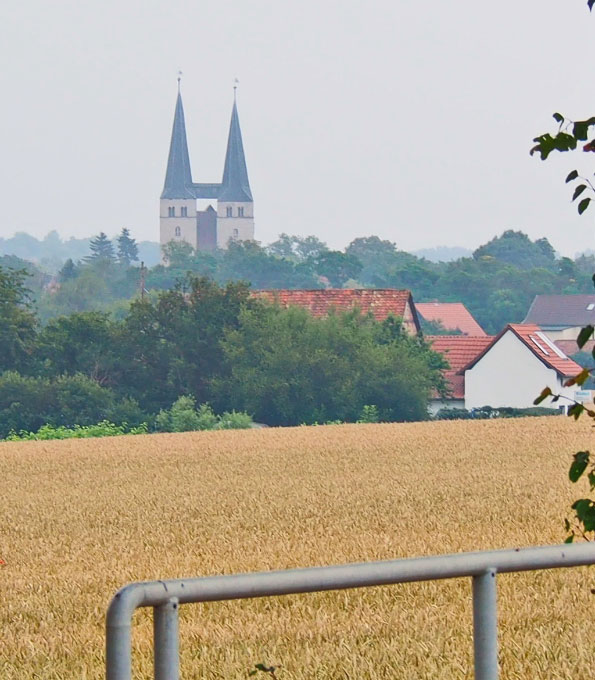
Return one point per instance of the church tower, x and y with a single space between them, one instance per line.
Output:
179 219
177 209
235 206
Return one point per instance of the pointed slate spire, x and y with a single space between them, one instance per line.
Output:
235 186
178 178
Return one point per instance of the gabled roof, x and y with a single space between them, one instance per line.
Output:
452 315
562 310
235 185
540 345
458 350
178 177
380 302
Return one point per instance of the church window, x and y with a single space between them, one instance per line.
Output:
241 212
178 231
229 211
236 233
184 211
171 212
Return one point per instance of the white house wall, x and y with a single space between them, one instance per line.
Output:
509 374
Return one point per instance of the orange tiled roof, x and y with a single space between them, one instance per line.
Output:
379 301
541 346
452 315
458 350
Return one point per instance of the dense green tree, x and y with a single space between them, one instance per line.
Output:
297 248
17 320
516 248
127 248
101 249
68 271
286 367
336 267
83 342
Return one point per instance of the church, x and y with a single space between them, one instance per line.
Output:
211 228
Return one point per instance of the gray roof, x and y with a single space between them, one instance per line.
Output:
235 185
178 178
562 311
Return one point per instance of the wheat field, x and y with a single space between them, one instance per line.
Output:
83 517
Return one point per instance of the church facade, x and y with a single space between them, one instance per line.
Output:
232 218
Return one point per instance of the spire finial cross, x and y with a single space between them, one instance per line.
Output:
236 82
180 74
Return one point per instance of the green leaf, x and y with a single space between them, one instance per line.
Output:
591 478
579 465
575 410
570 539
583 205
558 117
545 393
571 176
584 336
578 191
580 129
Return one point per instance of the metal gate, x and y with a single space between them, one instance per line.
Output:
166 596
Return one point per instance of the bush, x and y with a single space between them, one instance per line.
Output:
369 414
183 416
102 429
487 412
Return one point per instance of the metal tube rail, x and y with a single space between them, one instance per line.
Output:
479 565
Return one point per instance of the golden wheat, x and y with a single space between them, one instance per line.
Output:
83 517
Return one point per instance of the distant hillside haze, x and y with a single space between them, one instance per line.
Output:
443 253
51 252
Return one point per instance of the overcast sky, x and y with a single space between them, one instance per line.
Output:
409 120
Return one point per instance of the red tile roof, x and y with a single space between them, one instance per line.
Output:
458 350
541 346
380 302
452 315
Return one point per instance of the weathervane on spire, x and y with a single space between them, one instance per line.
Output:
236 82
180 74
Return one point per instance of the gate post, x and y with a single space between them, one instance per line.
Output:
166 641
485 626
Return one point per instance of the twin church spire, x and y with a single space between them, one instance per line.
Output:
212 228
234 187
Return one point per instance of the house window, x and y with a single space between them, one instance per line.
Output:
171 212
236 233
178 232
240 212
184 212
229 211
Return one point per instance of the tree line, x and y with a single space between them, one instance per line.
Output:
497 283
213 343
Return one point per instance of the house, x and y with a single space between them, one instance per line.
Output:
459 351
380 302
515 367
562 316
452 315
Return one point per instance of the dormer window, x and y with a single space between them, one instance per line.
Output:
241 212
178 232
229 211
171 211
184 211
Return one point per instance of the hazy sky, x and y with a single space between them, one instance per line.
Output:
409 120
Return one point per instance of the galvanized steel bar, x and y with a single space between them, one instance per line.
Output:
166 641
485 626
313 579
